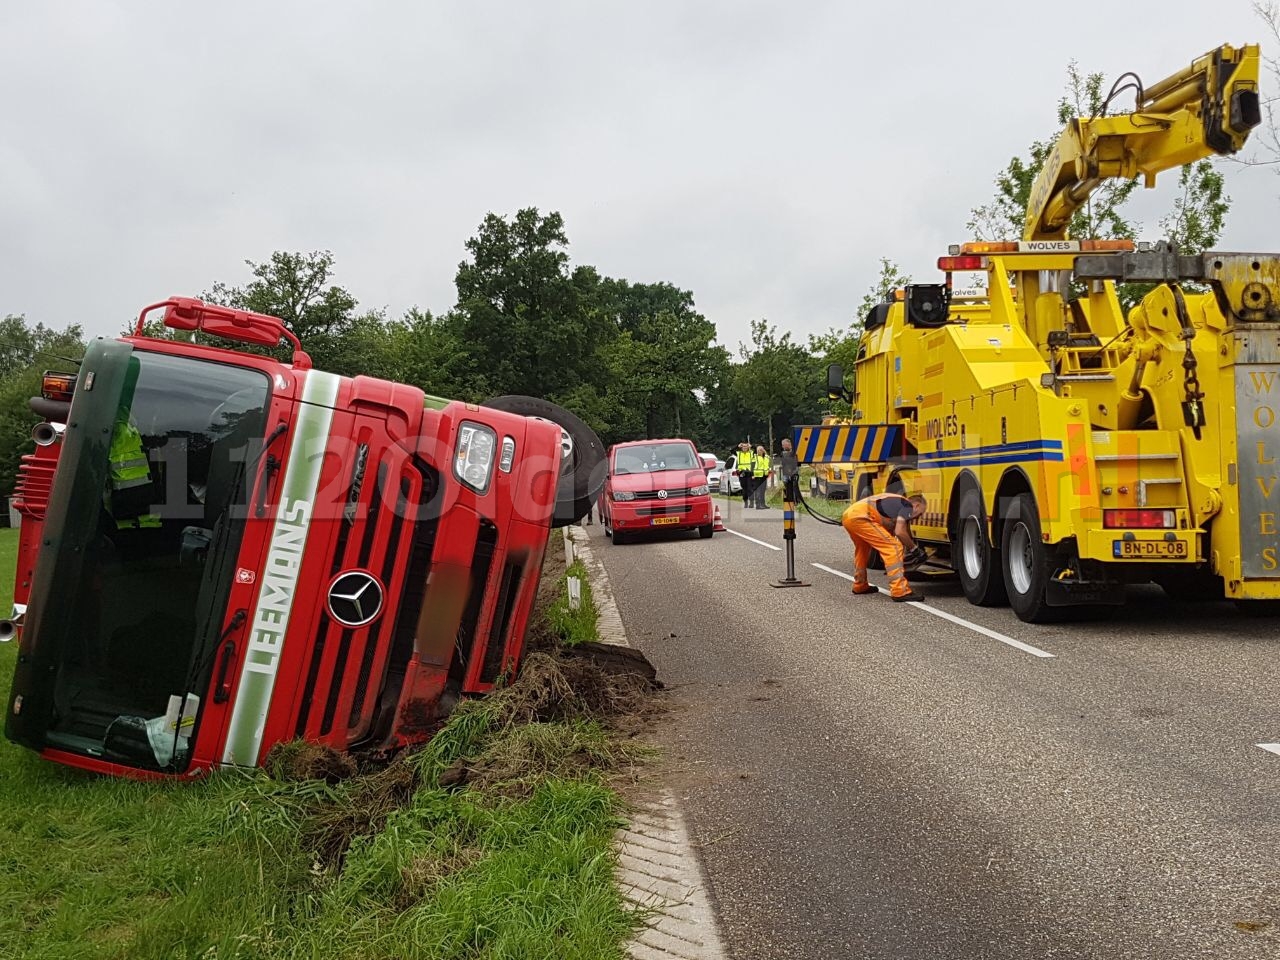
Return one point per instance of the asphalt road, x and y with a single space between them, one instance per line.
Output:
866 779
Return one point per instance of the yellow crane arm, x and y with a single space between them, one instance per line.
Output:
1206 108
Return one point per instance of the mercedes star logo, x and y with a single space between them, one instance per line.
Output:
662 494
355 598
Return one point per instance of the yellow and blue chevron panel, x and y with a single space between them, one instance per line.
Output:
846 443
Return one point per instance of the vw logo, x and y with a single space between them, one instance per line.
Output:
355 598
662 494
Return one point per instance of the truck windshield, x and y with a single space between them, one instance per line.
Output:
150 532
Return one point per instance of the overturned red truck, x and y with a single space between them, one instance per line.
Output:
220 551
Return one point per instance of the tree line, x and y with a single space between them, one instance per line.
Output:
633 359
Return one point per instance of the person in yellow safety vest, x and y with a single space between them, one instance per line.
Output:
130 477
883 523
761 467
743 468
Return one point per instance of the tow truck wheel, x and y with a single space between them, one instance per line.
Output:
875 561
582 471
1025 561
973 557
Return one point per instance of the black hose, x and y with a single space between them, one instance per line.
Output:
817 516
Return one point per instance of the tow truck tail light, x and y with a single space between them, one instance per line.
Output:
57 386
950 264
1139 519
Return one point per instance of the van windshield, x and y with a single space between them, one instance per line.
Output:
650 458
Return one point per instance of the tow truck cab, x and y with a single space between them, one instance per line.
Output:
304 555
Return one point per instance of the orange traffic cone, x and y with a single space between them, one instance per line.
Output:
717 524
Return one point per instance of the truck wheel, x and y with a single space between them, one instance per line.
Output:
876 562
1191 586
972 555
1025 561
1258 608
582 473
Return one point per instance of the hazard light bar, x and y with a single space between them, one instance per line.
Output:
978 247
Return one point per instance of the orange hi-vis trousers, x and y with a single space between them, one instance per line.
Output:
862 522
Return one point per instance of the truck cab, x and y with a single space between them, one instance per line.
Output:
234 551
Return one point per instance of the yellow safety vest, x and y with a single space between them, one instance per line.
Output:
760 466
744 461
129 466
129 470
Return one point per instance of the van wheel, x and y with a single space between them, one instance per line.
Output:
582 469
707 532
619 538
1025 561
972 555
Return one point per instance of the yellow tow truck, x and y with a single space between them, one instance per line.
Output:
1064 448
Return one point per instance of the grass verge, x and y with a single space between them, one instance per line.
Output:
494 841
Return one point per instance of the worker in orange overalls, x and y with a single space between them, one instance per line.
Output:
883 523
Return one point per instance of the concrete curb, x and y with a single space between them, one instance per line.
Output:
658 869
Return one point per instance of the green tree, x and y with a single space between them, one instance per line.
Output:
26 352
780 382
296 288
526 322
661 361
1101 216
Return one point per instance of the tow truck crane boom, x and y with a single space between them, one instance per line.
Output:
1204 109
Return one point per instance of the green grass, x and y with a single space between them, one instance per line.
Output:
516 863
821 505
574 626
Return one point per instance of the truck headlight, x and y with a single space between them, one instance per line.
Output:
699 490
473 456
623 495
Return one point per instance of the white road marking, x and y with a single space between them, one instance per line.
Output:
977 628
1271 747
752 539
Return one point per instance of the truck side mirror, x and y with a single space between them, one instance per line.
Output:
835 382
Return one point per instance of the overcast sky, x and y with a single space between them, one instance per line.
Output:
762 155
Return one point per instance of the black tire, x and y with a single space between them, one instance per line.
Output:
619 537
1191 586
876 562
975 559
707 532
1025 562
582 474
1258 608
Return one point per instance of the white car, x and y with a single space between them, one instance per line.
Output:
715 475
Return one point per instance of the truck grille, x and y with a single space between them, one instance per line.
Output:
482 561
35 480
495 650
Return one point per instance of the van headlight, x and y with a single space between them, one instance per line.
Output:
700 490
623 495
473 456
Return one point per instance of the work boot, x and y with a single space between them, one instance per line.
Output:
865 589
909 595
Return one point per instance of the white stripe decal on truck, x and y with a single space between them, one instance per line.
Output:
269 621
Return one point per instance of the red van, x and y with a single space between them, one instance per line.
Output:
656 485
